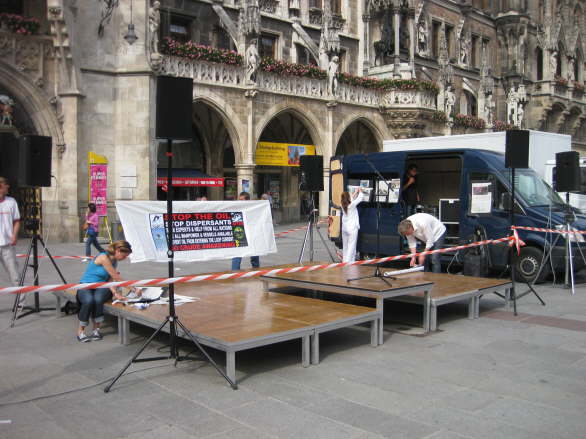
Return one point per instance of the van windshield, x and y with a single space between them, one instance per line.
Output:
532 189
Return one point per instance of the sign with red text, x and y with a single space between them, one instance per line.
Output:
99 188
202 230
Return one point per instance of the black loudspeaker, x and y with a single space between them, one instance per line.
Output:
34 161
311 168
174 107
9 158
567 172
517 149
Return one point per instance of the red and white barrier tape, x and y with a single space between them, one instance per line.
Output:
240 274
538 229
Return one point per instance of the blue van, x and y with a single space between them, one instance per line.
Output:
446 179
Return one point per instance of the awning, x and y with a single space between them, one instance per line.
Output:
188 178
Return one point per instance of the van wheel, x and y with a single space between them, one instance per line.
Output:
528 264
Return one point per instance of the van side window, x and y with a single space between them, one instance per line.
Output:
498 199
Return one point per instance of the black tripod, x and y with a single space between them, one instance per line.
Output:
513 256
312 223
33 250
172 318
377 271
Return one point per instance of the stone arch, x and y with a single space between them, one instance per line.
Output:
307 118
35 102
227 115
378 133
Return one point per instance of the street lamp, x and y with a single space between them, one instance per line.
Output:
130 36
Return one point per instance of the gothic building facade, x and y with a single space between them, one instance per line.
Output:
338 75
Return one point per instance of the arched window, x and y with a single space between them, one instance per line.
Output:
12 7
539 63
468 104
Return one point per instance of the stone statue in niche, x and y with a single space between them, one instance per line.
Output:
421 37
6 111
553 62
450 100
571 68
488 109
333 76
154 24
252 62
465 44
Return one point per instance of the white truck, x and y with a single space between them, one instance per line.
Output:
543 147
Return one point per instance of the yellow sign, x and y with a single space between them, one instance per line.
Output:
96 159
281 154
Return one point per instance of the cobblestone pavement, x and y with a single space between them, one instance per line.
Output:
496 377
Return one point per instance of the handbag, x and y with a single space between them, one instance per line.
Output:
85 226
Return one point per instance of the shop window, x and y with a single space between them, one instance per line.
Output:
304 56
12 7
268 46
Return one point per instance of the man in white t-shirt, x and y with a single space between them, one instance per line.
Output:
431 232
9 225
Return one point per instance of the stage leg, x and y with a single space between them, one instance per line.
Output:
477 306
315 348
380 303
508 299
231 365
471 307
123 331
306 350
374 333
265 286
426 310
57 305
433 317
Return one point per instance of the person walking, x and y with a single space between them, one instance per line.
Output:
91 226
350 224
409 193
91 301
9 226
429 230
254 260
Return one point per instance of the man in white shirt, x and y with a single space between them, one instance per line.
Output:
9 225
431 232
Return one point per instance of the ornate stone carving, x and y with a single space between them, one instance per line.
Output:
249 17
516 100
27 55
333 76
154 24
252 62
6 111
268 6
106 15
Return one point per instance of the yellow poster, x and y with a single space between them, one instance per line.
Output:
281 154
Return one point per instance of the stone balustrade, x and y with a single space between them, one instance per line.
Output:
219 74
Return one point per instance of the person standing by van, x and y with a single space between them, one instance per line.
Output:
350 224
431 232
409 192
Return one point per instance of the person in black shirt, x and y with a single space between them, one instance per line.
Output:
409 194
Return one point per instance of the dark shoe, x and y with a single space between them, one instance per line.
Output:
83 338
96 335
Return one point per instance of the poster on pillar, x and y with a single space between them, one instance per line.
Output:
202 230
281 154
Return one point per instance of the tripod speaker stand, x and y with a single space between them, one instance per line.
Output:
33 251
312 224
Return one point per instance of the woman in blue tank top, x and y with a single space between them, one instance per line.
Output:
101 269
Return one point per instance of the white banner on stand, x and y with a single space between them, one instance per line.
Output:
202 230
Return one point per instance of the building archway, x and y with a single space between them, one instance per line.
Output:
282 182
359 137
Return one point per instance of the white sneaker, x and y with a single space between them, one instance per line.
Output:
85 259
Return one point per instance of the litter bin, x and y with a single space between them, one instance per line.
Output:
117 231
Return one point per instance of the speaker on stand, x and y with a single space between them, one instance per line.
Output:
517 156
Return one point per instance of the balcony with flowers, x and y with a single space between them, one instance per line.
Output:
465 123
226 68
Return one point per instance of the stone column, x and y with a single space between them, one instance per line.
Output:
245 171
328 151
412 44
248 163
366 44
397 31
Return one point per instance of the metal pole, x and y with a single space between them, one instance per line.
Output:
512 250
170 254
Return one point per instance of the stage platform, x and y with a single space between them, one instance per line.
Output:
235 315
430 289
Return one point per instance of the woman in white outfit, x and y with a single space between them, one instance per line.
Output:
350 224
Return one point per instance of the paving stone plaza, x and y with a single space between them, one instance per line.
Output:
498 376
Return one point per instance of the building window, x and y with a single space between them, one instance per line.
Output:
474 51
180 28
450 40
268 46
222 39
304 56
342 62
436 27
11 7
316 4
539 61
336 6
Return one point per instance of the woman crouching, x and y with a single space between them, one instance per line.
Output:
101 269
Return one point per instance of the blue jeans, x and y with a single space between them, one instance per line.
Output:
433 262
92 304
92 238
410 209
254 261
